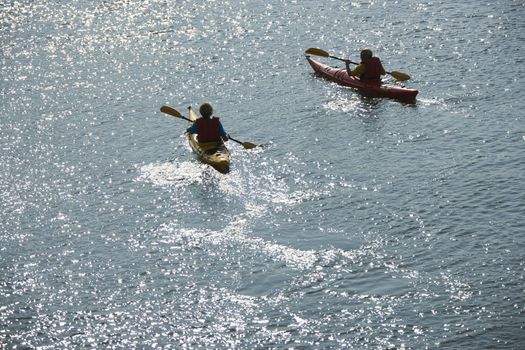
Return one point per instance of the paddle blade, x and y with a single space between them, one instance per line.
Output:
399 76
248 145
317 52
171 111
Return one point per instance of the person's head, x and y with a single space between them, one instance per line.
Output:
206 110
366 54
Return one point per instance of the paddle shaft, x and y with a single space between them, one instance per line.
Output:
239 142
319 52
173 112
342 59
188 119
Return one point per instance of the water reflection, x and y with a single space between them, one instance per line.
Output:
365 223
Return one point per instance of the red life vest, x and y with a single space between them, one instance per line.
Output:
373 69
208 129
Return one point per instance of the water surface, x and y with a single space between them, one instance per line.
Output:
361 223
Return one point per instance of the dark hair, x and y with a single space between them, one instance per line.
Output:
367 53
206 110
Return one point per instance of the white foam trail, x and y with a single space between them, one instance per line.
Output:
235 232
342 105
270 191
172 174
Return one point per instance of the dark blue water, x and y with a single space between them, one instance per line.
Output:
361 223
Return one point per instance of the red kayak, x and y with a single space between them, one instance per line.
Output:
340 76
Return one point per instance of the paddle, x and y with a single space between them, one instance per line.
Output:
318 52
173 112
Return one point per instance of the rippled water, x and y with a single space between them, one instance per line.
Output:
360 223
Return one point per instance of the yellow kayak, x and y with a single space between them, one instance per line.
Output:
213 153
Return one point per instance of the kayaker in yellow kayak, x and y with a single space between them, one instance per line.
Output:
208 128
370 69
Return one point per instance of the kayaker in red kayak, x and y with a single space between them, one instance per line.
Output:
369 70
208 128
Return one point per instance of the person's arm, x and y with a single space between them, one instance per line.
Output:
357 71
193 129
383 71
224 136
